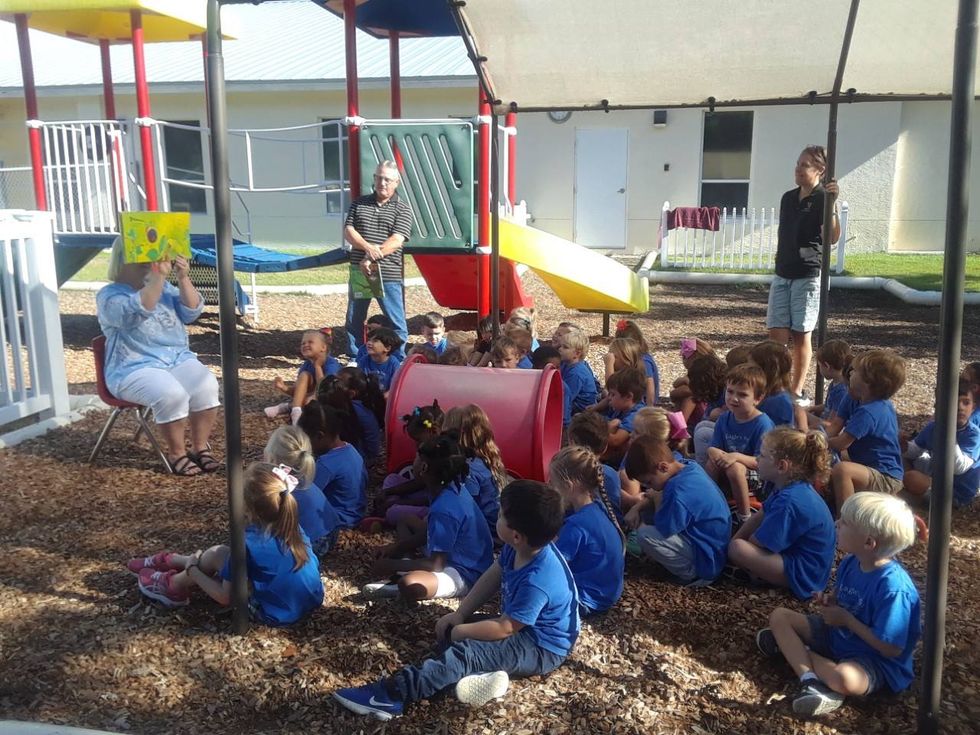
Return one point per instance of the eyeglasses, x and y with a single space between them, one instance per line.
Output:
384 179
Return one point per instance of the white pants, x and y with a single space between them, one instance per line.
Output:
172 394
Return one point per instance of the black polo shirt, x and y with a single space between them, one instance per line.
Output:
800 250
376 223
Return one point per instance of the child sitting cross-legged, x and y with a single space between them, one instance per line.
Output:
833 358
738 437
966 468
283 573
591 539
404 493
536 630
870 434
470 425
579 381
775 361
790 541
454 535
625 397
691 523
861 636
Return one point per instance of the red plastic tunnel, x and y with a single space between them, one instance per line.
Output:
524 407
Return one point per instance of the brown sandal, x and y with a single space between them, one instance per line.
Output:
206 461
185 466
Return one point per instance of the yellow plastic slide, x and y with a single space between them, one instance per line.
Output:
581 278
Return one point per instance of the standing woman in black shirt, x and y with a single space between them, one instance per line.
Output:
794 297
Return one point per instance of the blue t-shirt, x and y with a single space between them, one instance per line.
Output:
316 516
975 417
370 430
744 438
483 488
719 402
541 595
280 595
341 474
456 528
625 417
439 346
847 406
836 394
874 426
798 526
968 440
652 371
330 367
779 408
593 549
694 507
614 490
887 601
384 370
525 363
580 388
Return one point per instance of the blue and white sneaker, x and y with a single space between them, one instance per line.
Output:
370 699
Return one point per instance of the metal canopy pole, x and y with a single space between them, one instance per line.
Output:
494 223
108 96
30 102
828 201
951 321
226 304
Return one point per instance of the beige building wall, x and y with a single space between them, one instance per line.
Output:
892 159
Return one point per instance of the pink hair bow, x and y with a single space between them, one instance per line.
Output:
689 346
678 426
285 473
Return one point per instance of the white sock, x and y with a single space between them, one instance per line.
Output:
276 410
295 414
744 516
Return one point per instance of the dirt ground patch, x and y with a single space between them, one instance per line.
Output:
79 646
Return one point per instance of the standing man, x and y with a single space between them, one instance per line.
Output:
377 227
794 297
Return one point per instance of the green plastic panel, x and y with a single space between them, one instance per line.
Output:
436 163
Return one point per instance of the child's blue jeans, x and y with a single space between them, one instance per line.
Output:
518 655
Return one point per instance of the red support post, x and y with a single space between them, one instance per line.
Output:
30 102
143 110
510 123
483 209
353 131
108 96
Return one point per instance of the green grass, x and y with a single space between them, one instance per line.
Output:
921 272
95 270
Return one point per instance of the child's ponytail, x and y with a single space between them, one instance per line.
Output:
444 459
366 388
269 499
290 445
807 453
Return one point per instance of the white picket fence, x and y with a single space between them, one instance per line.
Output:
745 241
32 371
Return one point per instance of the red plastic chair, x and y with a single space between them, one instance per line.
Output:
118 407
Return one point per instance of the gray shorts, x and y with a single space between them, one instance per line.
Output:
820 644
794 303
674 553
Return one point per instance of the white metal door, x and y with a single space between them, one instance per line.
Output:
601 157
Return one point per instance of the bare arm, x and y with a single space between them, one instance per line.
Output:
841 442
218 590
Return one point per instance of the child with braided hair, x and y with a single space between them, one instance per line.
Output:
591 539
404 492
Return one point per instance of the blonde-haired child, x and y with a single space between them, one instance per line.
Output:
317 363
591 539
282 570
487 476
864 632
790 541
663 425
290 446
581 388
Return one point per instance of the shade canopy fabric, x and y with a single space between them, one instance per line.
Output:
571 54
95 20
416 18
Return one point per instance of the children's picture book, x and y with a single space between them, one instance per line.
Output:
151 237
366 287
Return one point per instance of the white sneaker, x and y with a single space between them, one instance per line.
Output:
478 689
379 590
276 410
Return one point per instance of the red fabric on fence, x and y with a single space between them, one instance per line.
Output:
696 218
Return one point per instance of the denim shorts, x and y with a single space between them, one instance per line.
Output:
820 644
794 303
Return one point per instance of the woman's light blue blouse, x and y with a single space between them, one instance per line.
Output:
139 338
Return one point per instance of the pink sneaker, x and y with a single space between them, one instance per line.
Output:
159 562
159 586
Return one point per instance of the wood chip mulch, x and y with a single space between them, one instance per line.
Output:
80 646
